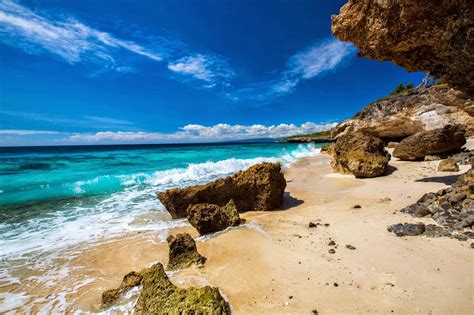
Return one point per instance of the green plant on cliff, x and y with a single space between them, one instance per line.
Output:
326 133
402 89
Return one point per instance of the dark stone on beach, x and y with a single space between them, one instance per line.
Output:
312 225
258 188
209 218
131 279
448 139
331 243
360 155
350 247
332 251
407 229
472 245
160 296
357 207
183 252
315 312
335 284
452 208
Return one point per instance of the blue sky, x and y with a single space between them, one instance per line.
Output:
91 72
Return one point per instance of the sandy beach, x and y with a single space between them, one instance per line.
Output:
277 264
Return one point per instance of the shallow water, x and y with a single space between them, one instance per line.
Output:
56 201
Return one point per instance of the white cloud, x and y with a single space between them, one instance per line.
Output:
211 69
20 132
200 133
69 39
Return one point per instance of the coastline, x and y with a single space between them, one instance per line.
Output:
277 264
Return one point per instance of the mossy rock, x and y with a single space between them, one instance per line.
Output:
183 252
131 279
160 296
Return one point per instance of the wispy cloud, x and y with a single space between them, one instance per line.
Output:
69 39
27 132
304 65
211 69
95 122
200 133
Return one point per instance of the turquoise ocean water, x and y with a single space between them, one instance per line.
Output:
57 201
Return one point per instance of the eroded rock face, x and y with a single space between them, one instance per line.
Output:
183 252
360 155
430 36
209 218
444 140
258 188
131 279
452 208
448 165
160 296
397 117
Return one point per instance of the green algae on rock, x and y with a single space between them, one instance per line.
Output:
183 252
160 296
131 279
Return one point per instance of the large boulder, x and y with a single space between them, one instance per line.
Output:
452 208
160 296
443 140
398 116
209 218
360 155
258 188
183 252
429 36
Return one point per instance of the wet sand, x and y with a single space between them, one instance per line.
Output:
276 264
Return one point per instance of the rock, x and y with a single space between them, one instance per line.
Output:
464 158
452 208
312 225
258 188
209 218
131 279
360 155
331 243
444 140
357 207
407 229
428 36
448 165
350 247
430 158
392 145
396 117
183 252
332 251
160 296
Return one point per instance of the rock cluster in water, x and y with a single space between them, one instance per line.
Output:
429 36
360 155
448 139
396 117
258 188
452 208
183 252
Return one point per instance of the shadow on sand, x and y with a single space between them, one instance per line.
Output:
448 180
289 202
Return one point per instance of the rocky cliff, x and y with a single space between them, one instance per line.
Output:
397 117
430 36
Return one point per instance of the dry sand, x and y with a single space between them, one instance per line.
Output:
278 265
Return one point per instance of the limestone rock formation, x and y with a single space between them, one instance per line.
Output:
360 155
396 117
160 296
444 140
131 279
429 36
259 188
183 252
407 229
452 208
209 218
448 165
